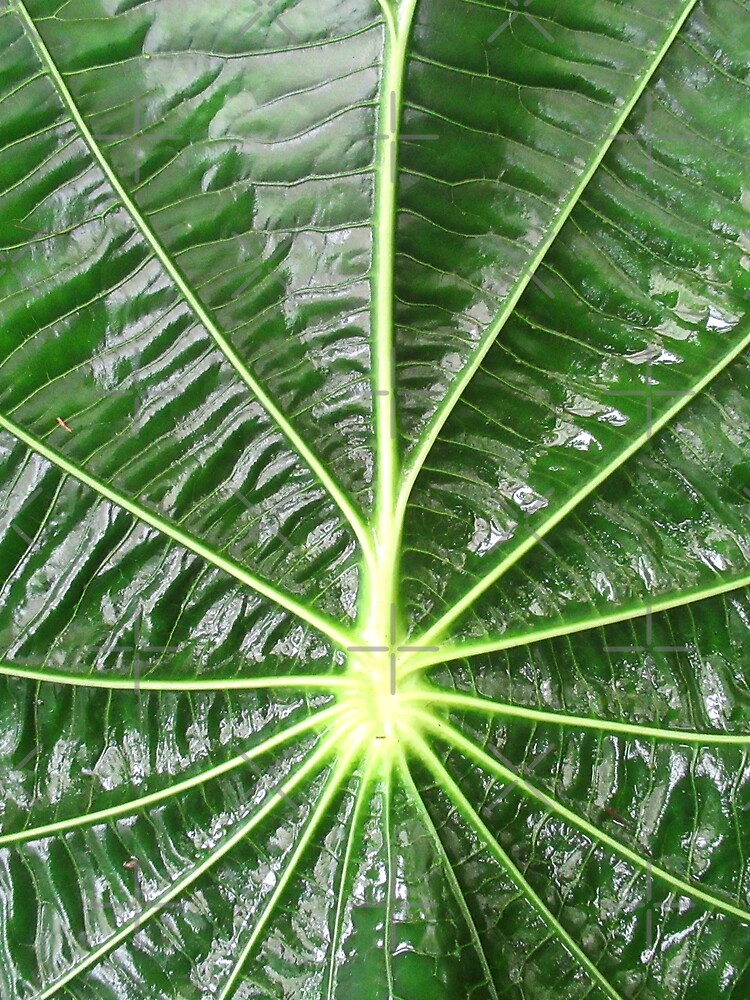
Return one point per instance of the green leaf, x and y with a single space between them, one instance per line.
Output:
375 523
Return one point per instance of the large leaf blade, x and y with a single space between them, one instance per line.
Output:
260 378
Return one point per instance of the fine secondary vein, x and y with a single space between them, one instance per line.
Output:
279 597
446 782
304 838
335 491
667 602
469 703
427 440
320 719
685 888
435 631
156 905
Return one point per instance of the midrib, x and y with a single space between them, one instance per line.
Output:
380 593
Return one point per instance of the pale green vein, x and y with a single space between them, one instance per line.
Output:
391 882
145 801
335 491
435 631
280 598
419 455
107 682
359 804
457 651
449 786
155 906
450 876
320 810
385 6
382 587
453 738
469 703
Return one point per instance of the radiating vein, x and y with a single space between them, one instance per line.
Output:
546 525
319 811
391 880
155 906
281 598
430 435
107 682
449 786
381 543
457 651
450 876
335 491
144 801
453 738
338 919
469 703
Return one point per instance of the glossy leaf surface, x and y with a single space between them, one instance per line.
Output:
375 525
